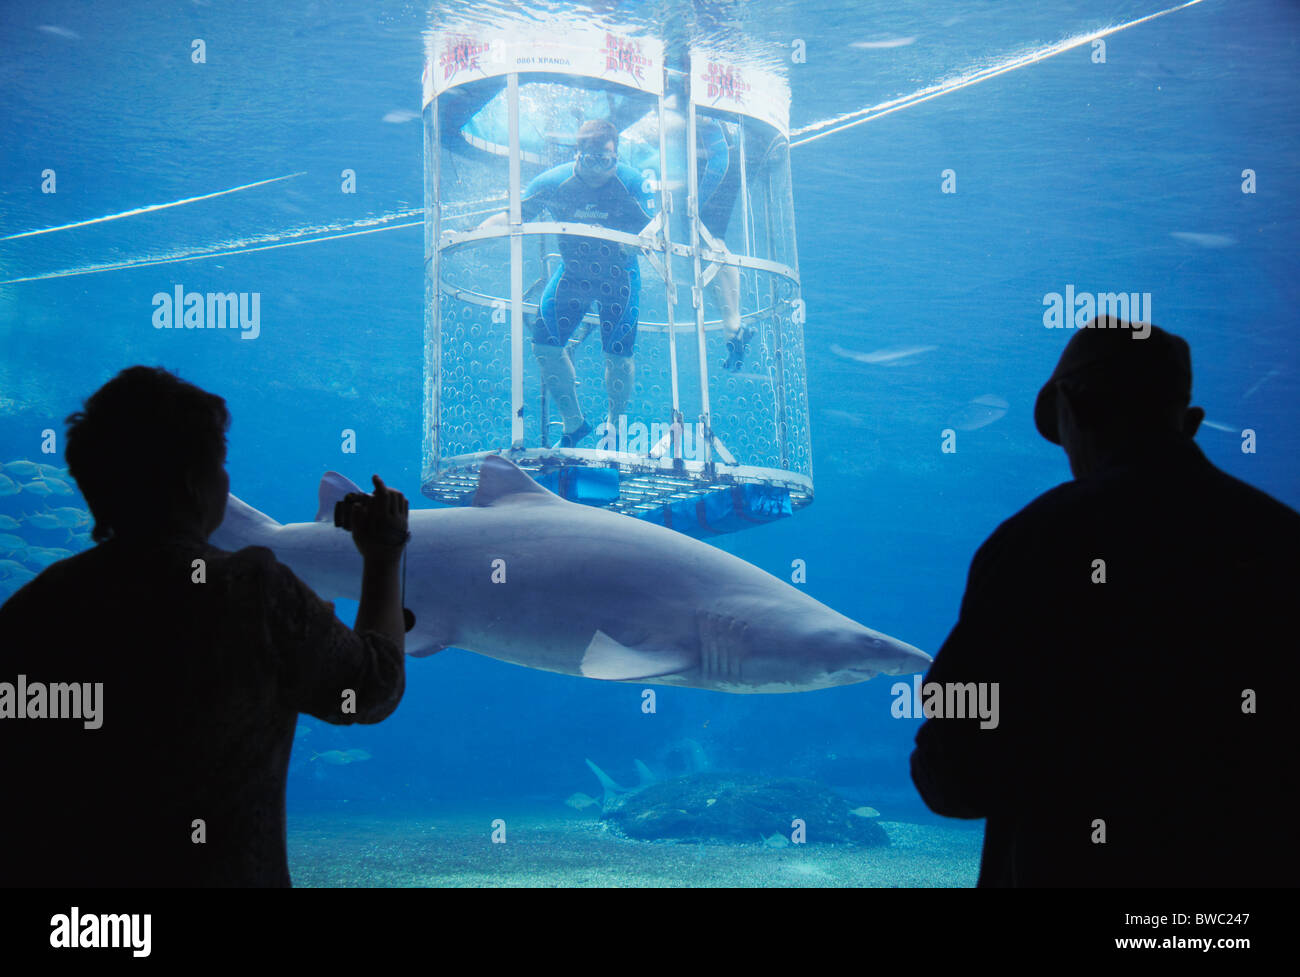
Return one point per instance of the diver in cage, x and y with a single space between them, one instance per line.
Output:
593 189
719 181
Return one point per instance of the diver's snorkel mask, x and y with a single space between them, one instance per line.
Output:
597 162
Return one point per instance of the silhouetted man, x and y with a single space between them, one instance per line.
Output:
1139 622
183 667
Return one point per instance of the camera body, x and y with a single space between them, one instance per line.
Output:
343 520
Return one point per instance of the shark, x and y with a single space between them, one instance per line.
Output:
526 577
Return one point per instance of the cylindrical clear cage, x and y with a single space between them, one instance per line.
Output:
611 280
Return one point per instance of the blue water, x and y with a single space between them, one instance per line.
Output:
1068 172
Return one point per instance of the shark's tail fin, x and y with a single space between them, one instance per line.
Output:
612 790
243 526
644 776
333 487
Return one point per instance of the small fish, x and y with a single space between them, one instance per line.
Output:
1253 388
881 45
58 485
20 576
1222 427
978 413
43 520
9 542
891 354
401 115
23 469
853 420
12 566
341 757
8 486
776 841
865 812
335 757
37 487
55 470
9 522
69 516
63 32
1204 240
580 802
43 556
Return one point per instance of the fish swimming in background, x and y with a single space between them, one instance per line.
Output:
865 812
340 758
581 802
776 841
16 578
55 470
8 486
13 572
37 486
527 577
891 42
66 33
22 469
69 516
57 485
889 355
9 543
43 520
9 522
979 412
1221 427
853 420
1204 240
43 556
1254 387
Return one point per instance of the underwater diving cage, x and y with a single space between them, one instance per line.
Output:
704 445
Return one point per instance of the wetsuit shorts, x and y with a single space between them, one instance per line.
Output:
593 271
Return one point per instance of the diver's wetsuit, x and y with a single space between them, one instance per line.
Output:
719 180
593 269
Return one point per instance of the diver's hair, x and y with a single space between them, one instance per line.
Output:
135 442
594 133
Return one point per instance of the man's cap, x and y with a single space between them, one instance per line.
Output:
1138 362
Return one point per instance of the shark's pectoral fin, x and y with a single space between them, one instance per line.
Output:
428 639
612 661
425 651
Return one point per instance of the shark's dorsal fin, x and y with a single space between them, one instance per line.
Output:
500 478
333 487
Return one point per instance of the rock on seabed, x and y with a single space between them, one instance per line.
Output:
740 808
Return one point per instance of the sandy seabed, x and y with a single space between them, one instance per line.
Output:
543 850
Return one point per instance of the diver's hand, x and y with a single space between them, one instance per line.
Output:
378 522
